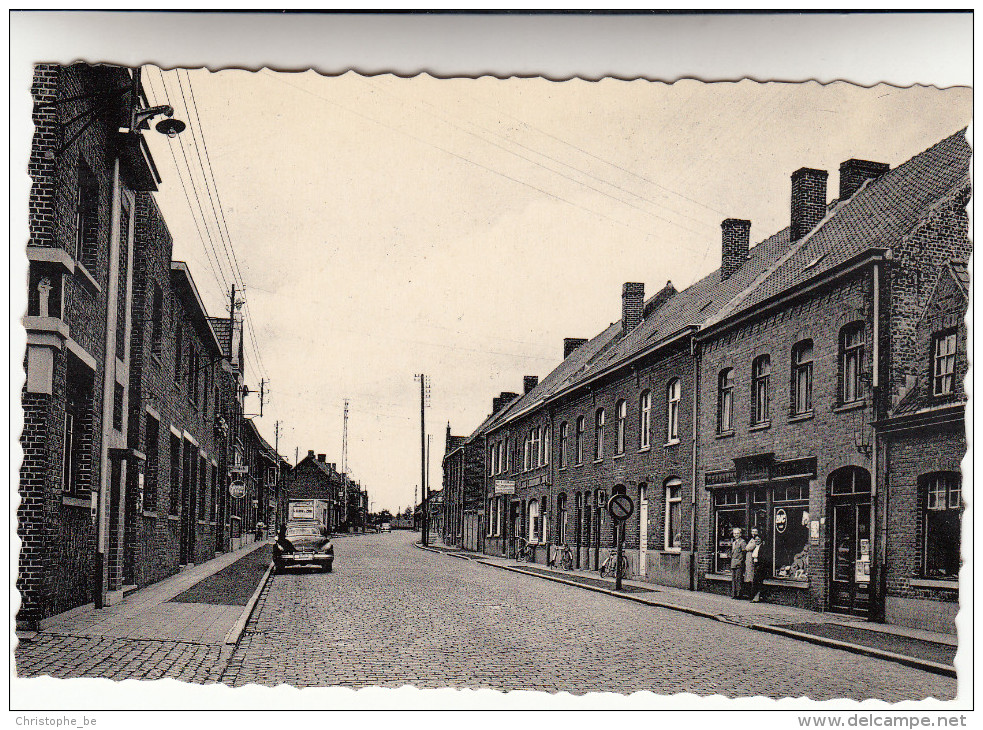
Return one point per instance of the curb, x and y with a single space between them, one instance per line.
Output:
923 664
915 662
235 633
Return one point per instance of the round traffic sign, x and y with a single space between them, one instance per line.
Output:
620 507
237 490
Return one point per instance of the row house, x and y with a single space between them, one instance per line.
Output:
132 402
345 501
463 489
797 389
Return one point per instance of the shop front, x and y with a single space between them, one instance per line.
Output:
773 497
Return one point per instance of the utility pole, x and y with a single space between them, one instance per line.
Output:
425 527
277 487
344 462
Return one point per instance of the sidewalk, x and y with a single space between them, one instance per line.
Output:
200 605
926 650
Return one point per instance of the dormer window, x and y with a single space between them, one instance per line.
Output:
944 363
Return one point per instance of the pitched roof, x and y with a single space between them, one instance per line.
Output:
223 332
961 274
879 214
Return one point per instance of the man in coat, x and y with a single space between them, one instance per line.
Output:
737 562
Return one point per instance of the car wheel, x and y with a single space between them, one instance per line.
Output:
277 567
327 567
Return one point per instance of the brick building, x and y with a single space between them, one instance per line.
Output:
133 395
750 399
464 491
316 478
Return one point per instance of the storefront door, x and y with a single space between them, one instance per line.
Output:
851 548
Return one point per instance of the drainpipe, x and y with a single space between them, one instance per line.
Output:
696 445
879 549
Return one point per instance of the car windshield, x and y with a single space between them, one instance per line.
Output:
303 532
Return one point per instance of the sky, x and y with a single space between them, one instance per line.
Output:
386 226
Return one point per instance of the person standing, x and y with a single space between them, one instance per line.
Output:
737 546
751 566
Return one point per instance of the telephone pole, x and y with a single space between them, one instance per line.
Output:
425 527
344 464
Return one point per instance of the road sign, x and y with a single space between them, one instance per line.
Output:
239 469
620 507
237 489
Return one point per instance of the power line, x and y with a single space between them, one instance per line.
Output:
549 157
460 157
217 274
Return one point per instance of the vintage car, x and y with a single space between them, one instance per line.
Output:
303 543
386 527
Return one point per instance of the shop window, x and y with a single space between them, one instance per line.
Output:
579 440
533 521
943 362
673 393
563 444
674 515
725 401
760 396
941 516
152 467
544 510
599 434
851 362
645 419
790 541
621 412
802 378
87 219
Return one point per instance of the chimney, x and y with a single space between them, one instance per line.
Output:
570 344
854 173
659 299
734 245
310 453
502 400
322 457
529 382
632 303
808 201
496 405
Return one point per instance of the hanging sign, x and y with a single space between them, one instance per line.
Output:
238 469
237 489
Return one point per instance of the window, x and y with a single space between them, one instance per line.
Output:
202 486
802 378
87 219
563 445
527 452
77 454
213 510
533 520
943 510
546 444
175 499
156 318
790 517
122 298
491 460
152 466
621 414
943 363
561 518
673 516
599 434
501 456
760 399
508 454
645 419
537 436
178 351
673 393
851 361
544 510
579 440
725 401
119 394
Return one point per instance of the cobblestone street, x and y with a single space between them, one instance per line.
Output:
391 614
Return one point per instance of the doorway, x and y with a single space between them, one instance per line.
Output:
850 541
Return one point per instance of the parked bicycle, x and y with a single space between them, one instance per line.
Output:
564 555
525 552
609 566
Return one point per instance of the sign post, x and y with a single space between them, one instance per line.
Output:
620 507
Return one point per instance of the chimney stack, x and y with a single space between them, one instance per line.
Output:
310 453
632 303
570 344
502 400
529 382
735 244
808 201
496 405
854 173
322 457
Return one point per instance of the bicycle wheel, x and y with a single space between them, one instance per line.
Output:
566 561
